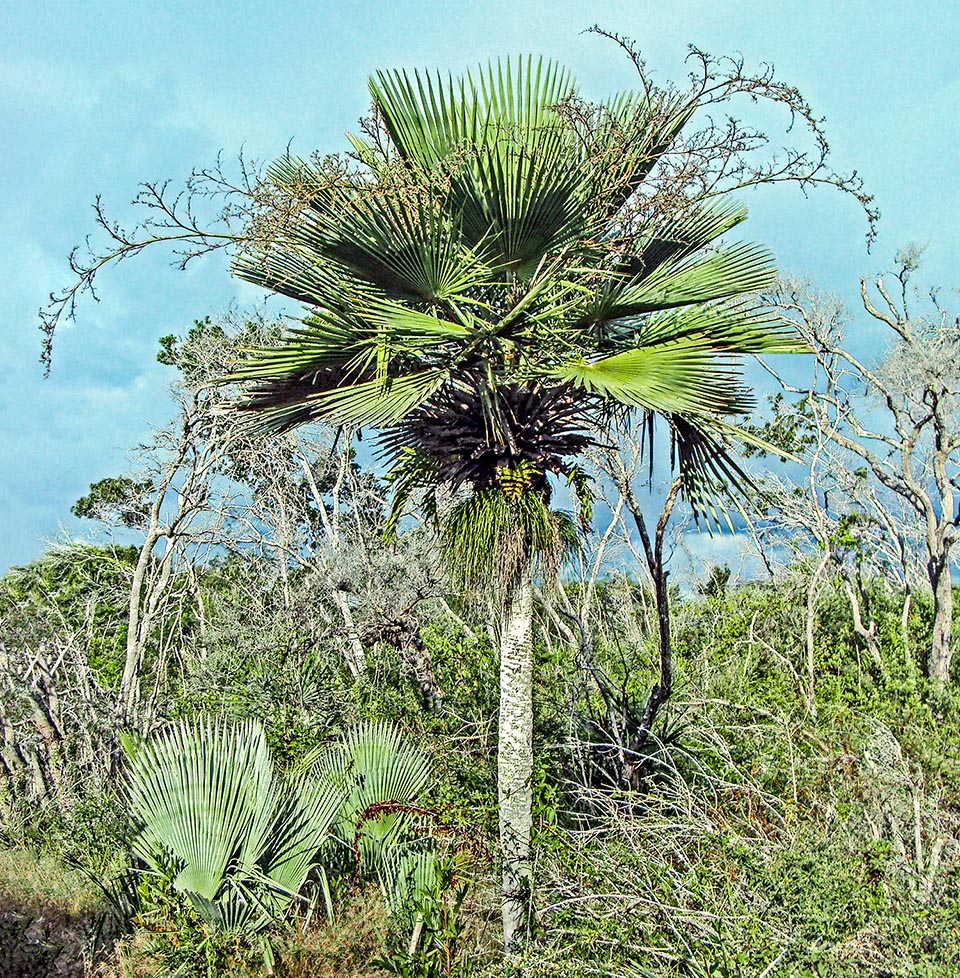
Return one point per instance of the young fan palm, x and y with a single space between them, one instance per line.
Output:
488 285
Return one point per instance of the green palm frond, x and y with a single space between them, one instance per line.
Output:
731 270
206 797
709 471
408 872
205 793
377 764
404 250
396 237
736 328
328 341
673 377
407 249
412 328
412 470
630 134
680 263
523 201
280 404
681 234
292 847
516 190
378 402
429 118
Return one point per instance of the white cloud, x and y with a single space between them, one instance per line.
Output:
698 553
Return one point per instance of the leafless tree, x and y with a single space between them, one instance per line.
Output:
205 488
881 436
644 545
57 714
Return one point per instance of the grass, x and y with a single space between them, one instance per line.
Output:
40 880
52 919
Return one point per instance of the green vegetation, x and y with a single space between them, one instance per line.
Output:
757 833
328 718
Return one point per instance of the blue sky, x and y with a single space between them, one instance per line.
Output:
97 96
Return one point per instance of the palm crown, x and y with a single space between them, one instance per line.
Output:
491 283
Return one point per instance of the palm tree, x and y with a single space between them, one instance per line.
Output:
489 284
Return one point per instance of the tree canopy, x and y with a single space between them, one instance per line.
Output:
496 277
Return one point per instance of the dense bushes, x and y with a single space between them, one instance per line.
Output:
766 838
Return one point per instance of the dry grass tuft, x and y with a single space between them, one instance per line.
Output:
343 949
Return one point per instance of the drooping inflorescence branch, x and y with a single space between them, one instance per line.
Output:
242 214
721 156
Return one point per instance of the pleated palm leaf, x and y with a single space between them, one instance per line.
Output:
407 874
376 764
489 285
209 803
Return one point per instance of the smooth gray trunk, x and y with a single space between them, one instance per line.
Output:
941 645
357 659
515 759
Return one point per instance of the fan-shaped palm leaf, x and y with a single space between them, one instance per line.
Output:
377 764
672 377
428 118
205 795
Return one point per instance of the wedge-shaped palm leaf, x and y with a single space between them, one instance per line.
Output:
330 341
412 328
281 403
430 118
736 328
672 377
404 244
206 798
522 200
735 269
378 402
206 793
625 139
675 235
680 265
513 187
408 873
411 250
327 341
